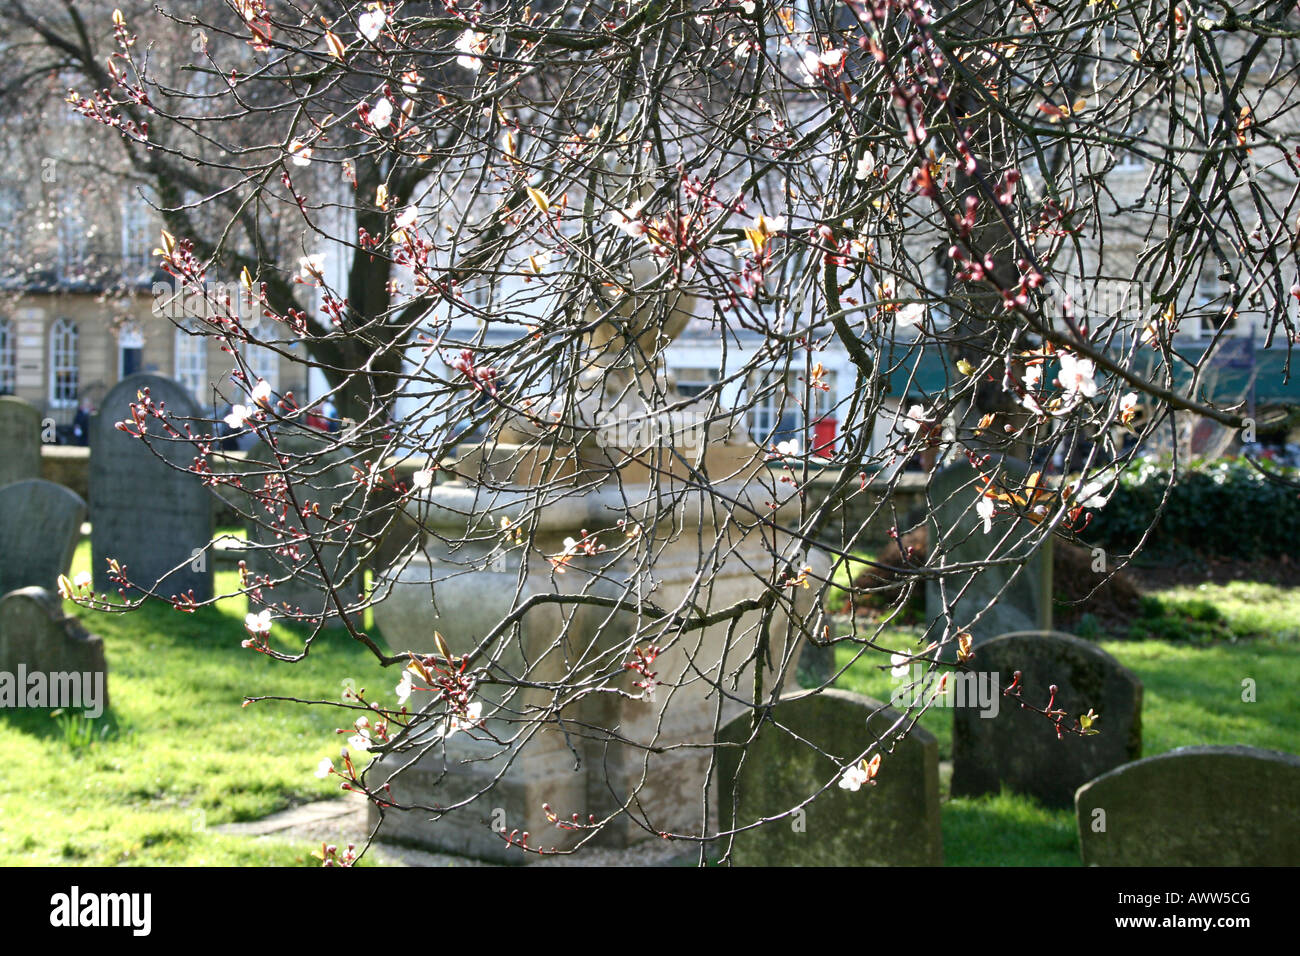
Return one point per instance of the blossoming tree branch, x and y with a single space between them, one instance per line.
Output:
484 228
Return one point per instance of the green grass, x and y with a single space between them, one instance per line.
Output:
176 753
1192 694
1007 830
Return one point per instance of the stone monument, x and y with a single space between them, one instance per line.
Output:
146 510
468 576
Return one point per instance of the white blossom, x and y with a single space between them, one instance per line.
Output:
404 687
381 114
406 218
1076 376
471 45
854 777
900 665
370 23
300 153
910 315
916 418
457 723
629 220
311 268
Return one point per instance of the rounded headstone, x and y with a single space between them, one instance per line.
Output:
1194 806
151 515
40 525
956 529
894 823
1019 748
35 635
20 440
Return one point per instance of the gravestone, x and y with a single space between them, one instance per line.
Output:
1019 748
36 636
20 440
325 479
894 823
954 522
152 518
1194 806
40 525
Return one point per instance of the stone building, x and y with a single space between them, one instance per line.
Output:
82 303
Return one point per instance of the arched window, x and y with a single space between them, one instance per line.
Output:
8 359
64 365
192 363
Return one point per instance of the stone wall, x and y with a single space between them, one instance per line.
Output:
67 465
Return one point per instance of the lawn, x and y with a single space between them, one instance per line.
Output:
176 753
1192 694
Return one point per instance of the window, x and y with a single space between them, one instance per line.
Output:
130 350
192 363
8 359
479 294
938 288
72 240
1212 302
776 413
694 381
137 235
263 363
10 210
64 370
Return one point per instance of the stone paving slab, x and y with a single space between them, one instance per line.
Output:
343 821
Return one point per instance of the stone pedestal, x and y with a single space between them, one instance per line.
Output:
656 767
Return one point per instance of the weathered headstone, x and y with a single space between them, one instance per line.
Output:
20 440
956 528
36 637
40 525
1194 806
894 823
1019 748
154 519
324 479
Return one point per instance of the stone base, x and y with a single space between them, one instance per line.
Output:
668 800
649 780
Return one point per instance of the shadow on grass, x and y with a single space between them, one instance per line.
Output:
80 734
1007 830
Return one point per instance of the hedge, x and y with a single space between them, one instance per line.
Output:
1224 508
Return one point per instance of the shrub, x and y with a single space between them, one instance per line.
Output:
1224 508
1192 621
